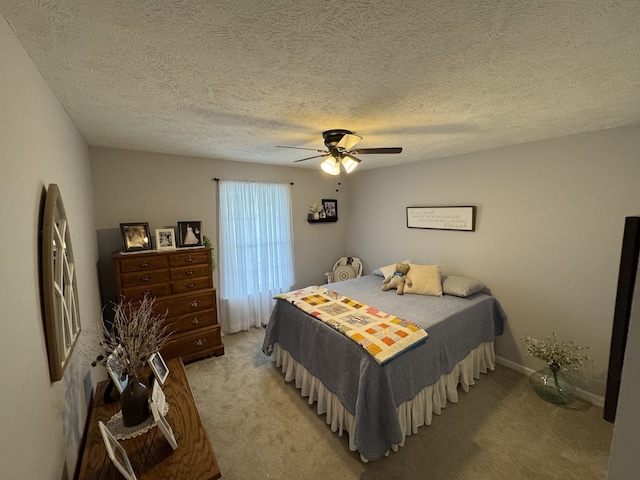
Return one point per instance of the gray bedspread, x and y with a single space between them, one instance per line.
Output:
366 389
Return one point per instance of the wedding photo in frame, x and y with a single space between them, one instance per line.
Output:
165 239
135 236
190 234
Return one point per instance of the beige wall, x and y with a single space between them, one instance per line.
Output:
42 423
548 239
162 189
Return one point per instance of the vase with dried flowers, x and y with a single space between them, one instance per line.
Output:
315 208
550 382
135 334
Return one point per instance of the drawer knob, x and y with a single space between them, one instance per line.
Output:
189 272
194 303
191 285
188 259
199 342
195 321
145 278
143 264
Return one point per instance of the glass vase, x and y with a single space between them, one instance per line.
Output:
552 385
134 403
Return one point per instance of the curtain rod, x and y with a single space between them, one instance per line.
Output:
251 181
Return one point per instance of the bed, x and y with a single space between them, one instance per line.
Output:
379 405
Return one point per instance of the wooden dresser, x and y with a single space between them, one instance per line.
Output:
182 283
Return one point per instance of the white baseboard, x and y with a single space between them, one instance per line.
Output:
588 396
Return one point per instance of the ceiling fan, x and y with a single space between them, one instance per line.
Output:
339 151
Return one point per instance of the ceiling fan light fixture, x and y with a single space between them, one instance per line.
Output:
349 163
331 166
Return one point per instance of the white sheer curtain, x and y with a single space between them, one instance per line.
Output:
256 251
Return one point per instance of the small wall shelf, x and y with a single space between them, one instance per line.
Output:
323 220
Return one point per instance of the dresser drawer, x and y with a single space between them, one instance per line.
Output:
192 321
190 271
141 262
191 285
200 343
155 290
138 279
188 303
191 257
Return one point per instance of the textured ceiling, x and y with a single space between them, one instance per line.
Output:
231 79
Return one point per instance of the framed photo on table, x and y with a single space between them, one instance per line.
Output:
117 453
110 364
135 236
157 406
159 367
190 234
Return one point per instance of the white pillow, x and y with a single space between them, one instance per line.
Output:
460 286
389 269
425 280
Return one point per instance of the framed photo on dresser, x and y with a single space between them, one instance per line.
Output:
135 236
165 239
190 234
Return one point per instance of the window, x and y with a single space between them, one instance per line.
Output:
256 251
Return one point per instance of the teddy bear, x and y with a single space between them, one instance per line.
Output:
397 279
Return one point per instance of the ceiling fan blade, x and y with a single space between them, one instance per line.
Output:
309 158
348 140
377 150
301 148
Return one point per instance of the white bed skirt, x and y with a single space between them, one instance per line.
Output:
411 414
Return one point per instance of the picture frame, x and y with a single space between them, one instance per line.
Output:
190 234
117 381
158 397
135 236
442 218
165 239
330 208
156 404
159 367
117 453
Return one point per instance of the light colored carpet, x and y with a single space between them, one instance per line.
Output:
261 428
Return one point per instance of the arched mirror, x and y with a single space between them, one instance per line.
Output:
62 321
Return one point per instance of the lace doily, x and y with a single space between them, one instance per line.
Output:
118 429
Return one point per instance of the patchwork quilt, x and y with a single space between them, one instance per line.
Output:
383 335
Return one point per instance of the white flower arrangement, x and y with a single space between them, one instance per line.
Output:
561 355
315 207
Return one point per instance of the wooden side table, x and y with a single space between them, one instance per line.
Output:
150 454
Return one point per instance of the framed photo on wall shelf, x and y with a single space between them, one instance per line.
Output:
330 208
165 239
135 236
190 234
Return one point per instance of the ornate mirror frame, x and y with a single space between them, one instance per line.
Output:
61 312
